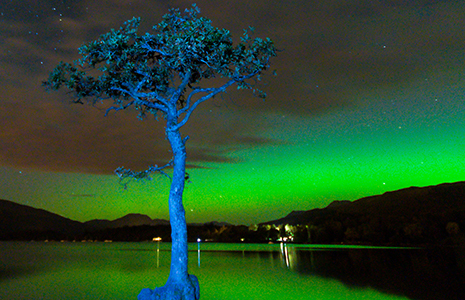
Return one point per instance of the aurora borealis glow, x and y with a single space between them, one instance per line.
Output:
368 99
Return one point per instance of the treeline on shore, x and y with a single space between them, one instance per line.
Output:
334 230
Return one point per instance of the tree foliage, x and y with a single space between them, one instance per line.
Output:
153 71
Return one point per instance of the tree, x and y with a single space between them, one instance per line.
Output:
160 73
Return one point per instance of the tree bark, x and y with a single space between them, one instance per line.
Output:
180 284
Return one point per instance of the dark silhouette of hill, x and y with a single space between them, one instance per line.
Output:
22 221
412 215
213 223
446 199
128 220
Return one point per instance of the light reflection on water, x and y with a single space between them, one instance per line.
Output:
226 271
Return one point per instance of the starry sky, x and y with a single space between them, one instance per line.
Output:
368 98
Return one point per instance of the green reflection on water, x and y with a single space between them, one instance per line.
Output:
120 270
254 271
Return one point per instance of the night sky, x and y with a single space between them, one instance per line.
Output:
368 98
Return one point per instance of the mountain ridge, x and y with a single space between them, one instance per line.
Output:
15 218
433 198
411 216
408 215
18 220
131 219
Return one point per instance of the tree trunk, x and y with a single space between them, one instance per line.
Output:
180 285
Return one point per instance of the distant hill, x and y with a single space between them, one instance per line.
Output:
446 199
412 215
22 222
212 223
127 220
17 220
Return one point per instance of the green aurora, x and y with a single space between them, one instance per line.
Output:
339 156
375 111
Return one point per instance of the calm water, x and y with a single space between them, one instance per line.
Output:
230 271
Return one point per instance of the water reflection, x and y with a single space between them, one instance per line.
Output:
417 273
158 254
198 252
423 274
280 271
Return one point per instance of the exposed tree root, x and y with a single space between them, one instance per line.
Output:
188 290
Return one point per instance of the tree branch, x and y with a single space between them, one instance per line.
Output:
214 91
188 101
181 87
123 173
134 92
150 49
118 108
137 95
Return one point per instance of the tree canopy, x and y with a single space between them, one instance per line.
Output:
153 71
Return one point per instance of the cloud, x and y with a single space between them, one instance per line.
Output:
331 52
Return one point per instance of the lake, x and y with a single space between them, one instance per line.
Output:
39 270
